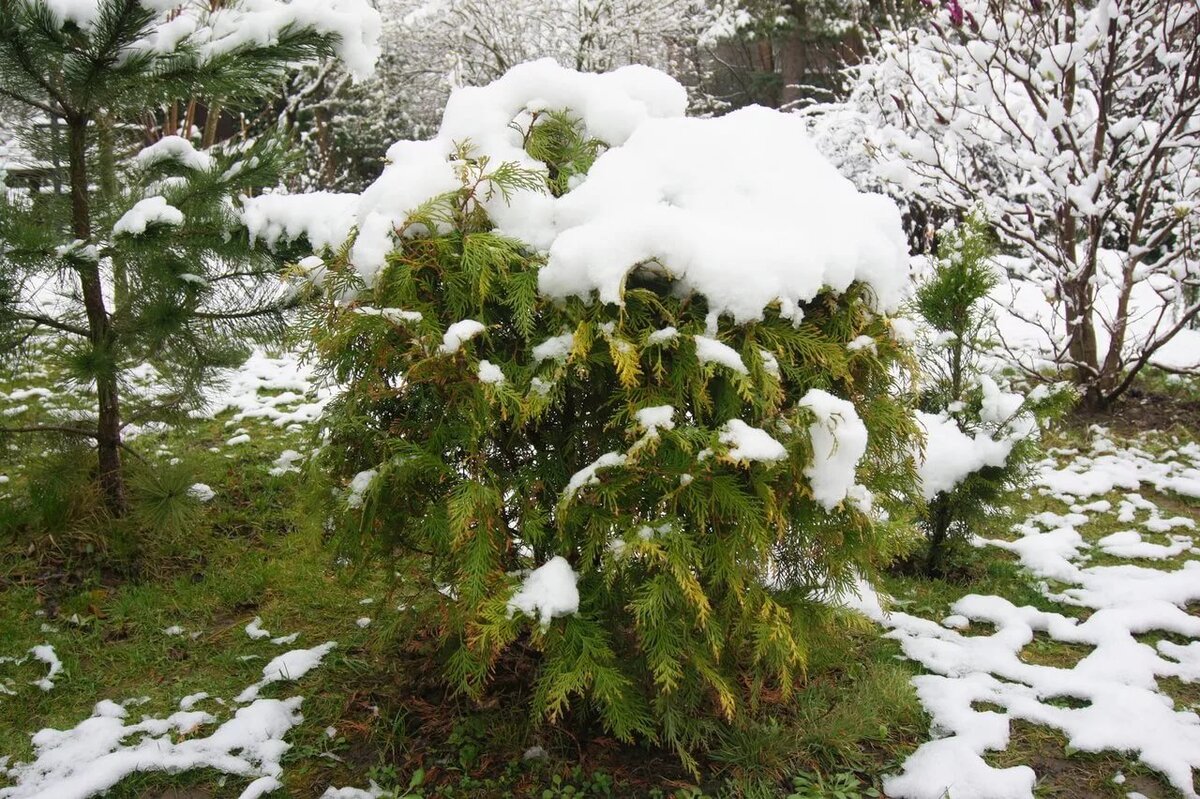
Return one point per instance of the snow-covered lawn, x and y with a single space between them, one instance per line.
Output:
1131 614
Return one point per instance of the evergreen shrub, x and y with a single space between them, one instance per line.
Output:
622 494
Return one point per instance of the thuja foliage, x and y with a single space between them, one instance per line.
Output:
700 578
178 287
952 301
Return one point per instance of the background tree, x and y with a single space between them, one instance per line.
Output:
791 53
142 250
1077 125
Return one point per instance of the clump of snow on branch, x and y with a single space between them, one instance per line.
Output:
490 373
359 485
147 212
325 218
952 454
555 348
457 333
548 592
655 418
177 149
589 475
748 443
839 440
709 350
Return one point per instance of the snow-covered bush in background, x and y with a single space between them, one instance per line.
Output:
980 440
621 375
1076 125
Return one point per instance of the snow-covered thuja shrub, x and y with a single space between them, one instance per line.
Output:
619 390
980 439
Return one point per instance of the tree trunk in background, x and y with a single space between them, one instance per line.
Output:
108 425
212 117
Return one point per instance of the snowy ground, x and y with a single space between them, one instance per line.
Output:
279 390
1129 597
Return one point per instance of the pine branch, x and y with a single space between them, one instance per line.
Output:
51 323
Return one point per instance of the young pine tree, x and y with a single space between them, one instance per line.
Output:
981 440
627 492
141 250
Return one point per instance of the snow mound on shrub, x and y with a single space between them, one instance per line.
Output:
741 209
951 454
548 592
839 440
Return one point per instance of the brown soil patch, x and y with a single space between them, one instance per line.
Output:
1140 411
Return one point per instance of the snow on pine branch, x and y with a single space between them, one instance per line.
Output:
354 25
741 209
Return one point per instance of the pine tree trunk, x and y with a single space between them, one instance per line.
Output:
108 190
108 426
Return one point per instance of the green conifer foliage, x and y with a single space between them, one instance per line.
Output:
700 576
183 291
952 301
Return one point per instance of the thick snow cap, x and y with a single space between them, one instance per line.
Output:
741 209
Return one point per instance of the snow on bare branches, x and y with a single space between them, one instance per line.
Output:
1077 126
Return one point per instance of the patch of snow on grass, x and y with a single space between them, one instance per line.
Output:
201 492
94 756
290 665
255 629
46 654
286 462
1118 705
